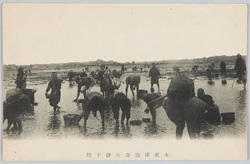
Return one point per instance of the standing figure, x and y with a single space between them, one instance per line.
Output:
223 67
123 69
21 79
176 69
101 77
83 73
210 72
154 74
240 68
212 66
55 87
71 75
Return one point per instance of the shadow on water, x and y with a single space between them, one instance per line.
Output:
240 99
152 129
135 102
54 125
122 131
87 132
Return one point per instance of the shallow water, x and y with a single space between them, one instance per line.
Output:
42 123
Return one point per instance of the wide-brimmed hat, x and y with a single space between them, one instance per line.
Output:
14 95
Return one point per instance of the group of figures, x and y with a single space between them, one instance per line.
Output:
180 103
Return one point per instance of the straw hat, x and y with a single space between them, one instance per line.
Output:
14 95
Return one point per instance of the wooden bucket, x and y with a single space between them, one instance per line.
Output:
135 122
145 119
211 82
223 82
228 117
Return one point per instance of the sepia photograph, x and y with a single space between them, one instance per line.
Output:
124 81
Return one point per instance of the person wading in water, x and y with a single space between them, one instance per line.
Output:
55 86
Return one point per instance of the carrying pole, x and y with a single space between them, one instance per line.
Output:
159 98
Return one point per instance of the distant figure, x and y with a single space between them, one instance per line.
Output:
71 75
210 71
223 67
176 69
240 68
116 74
86 69
101 77
123 69
154 74
195 68
21 79
83 73
213 65
55 87
212 114
107 72
134 69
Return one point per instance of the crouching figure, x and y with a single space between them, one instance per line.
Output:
94 101
120 100
152 105
15 104
182 106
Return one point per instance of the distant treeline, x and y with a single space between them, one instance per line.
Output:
230 60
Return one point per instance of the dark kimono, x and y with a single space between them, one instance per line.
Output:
154 74
55 86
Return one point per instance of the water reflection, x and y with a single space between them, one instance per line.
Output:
240 99
122 131
151 129
54 125
135 102
126 131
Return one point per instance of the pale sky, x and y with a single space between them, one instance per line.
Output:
61 33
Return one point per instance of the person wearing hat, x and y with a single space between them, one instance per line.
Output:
21 79
154 74
15 104
240 68
55 87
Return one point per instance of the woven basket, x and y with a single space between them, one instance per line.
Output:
228 117
135 122
70 119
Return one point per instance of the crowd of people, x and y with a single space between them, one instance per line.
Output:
181 104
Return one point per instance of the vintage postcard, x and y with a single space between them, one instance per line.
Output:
124 81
